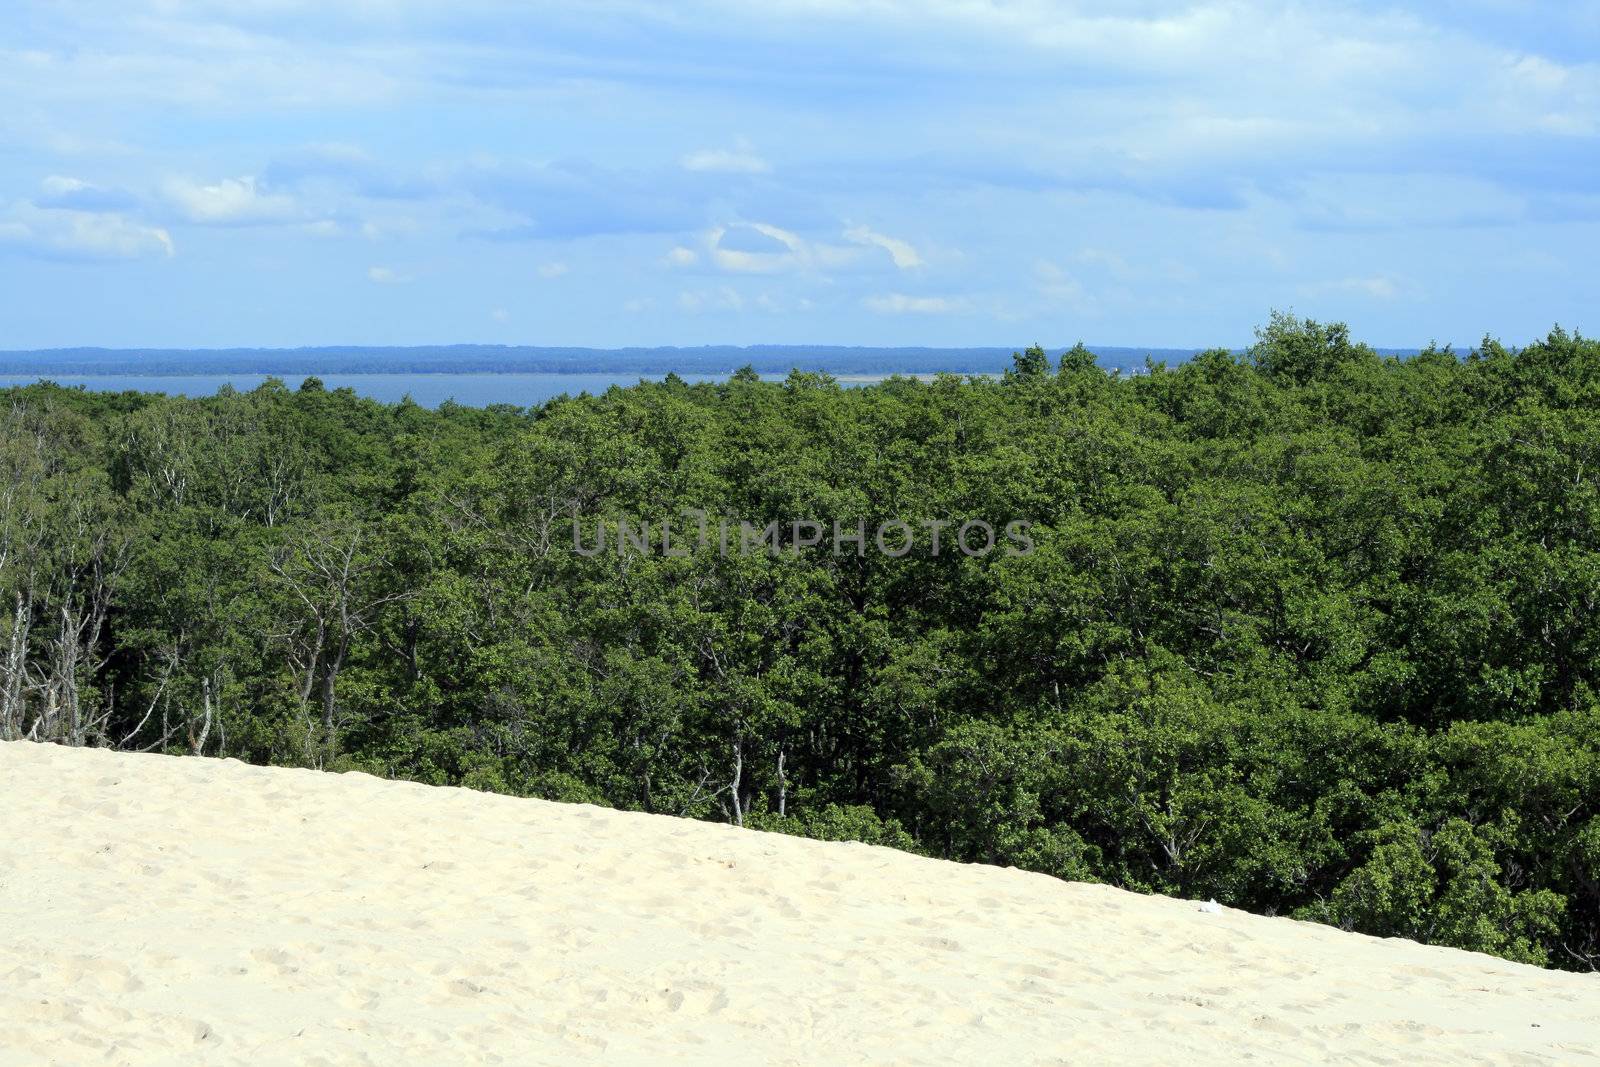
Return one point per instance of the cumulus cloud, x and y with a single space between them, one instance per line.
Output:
723 161
394 226
723 298
761 248
70 234
1058 286
230 202
755 248
1339 131
1106 261
348 168
387 276
578 198
902 304
173 54
1373 201
1375 287
905 257
1307 83
76 194
551 270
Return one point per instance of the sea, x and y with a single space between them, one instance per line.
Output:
525 377
480 375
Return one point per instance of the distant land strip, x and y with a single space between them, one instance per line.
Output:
503 359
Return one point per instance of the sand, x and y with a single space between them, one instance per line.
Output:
196 911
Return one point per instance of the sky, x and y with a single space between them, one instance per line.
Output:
213 173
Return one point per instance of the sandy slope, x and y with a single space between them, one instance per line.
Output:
157 910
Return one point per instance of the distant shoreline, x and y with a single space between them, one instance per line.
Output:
720 361
493 359
114 371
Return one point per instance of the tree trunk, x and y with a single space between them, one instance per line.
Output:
199 744
11 714
738 782
783 787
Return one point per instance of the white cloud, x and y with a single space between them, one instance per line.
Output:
905 257
721 299
1353 117
230 202
770 250
1364 201
387 276
396 226
548 271
787 256
722 161
1376 287
726 298
901 304
1057 286
1301 75
75 194
175 55
500 315
59 186
70 234
1107 261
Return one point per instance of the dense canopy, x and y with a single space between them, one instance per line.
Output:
1305 629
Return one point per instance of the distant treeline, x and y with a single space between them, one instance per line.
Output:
502 359
1306 629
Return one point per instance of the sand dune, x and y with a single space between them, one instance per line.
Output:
158 910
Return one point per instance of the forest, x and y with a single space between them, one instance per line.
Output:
1307 629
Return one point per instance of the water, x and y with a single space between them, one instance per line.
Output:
429 390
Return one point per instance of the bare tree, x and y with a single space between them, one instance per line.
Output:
62 551
331 573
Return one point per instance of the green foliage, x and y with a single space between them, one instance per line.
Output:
1306 630
1030 363
1076 360
1301 351
835 822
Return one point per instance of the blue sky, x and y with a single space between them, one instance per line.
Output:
200 173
